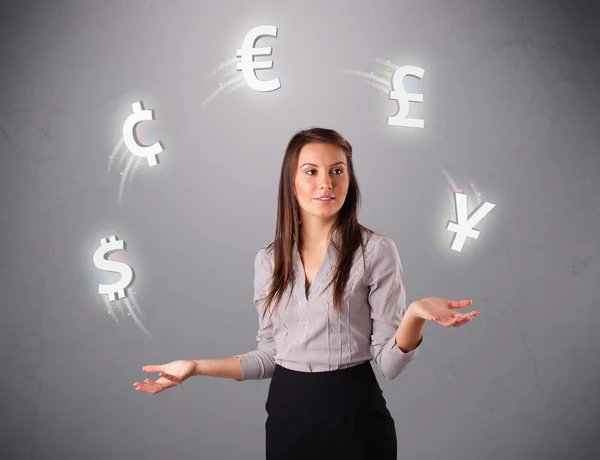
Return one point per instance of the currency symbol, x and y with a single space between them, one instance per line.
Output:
249 65
399 94
114 290
464 226
150 152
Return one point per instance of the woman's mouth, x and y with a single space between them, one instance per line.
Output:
325 200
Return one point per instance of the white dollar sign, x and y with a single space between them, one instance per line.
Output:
114 290
150 152
399 94
249 65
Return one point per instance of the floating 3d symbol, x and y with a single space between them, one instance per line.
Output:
150 152
464 226
114 290
399 94
248 65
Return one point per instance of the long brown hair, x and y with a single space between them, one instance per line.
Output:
288 220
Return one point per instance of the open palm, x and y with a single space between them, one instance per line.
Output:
441 311
171 374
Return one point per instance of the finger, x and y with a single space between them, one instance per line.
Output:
155 385
461 322
145 388
468 317
458 318
441 318
452 320
459 303
448 320
152 368
170 377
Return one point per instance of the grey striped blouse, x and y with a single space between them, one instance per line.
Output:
311 336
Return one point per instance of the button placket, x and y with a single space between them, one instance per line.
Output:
301 300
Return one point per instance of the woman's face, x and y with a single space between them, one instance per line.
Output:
322 170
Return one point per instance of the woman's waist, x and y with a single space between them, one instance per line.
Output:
354 381
314 367
348 374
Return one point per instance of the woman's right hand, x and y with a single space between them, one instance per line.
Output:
171 374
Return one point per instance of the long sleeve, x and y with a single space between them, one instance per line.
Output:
387 298
260 363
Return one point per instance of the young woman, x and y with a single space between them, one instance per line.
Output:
344 296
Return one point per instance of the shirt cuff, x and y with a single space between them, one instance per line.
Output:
399 355
256 365
250 367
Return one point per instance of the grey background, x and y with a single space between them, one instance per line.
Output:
511 103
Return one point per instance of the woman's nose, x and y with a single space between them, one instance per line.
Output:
327 183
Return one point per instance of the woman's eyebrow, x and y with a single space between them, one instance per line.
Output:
312 164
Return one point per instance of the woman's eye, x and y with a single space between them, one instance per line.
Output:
341 170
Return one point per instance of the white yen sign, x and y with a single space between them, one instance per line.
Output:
464 226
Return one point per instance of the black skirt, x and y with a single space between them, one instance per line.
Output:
331 415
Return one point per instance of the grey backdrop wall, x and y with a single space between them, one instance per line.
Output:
511 116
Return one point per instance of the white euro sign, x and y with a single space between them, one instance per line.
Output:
248 65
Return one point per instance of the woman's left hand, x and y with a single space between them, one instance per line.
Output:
440 310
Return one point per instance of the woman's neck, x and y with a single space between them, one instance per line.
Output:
315 236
